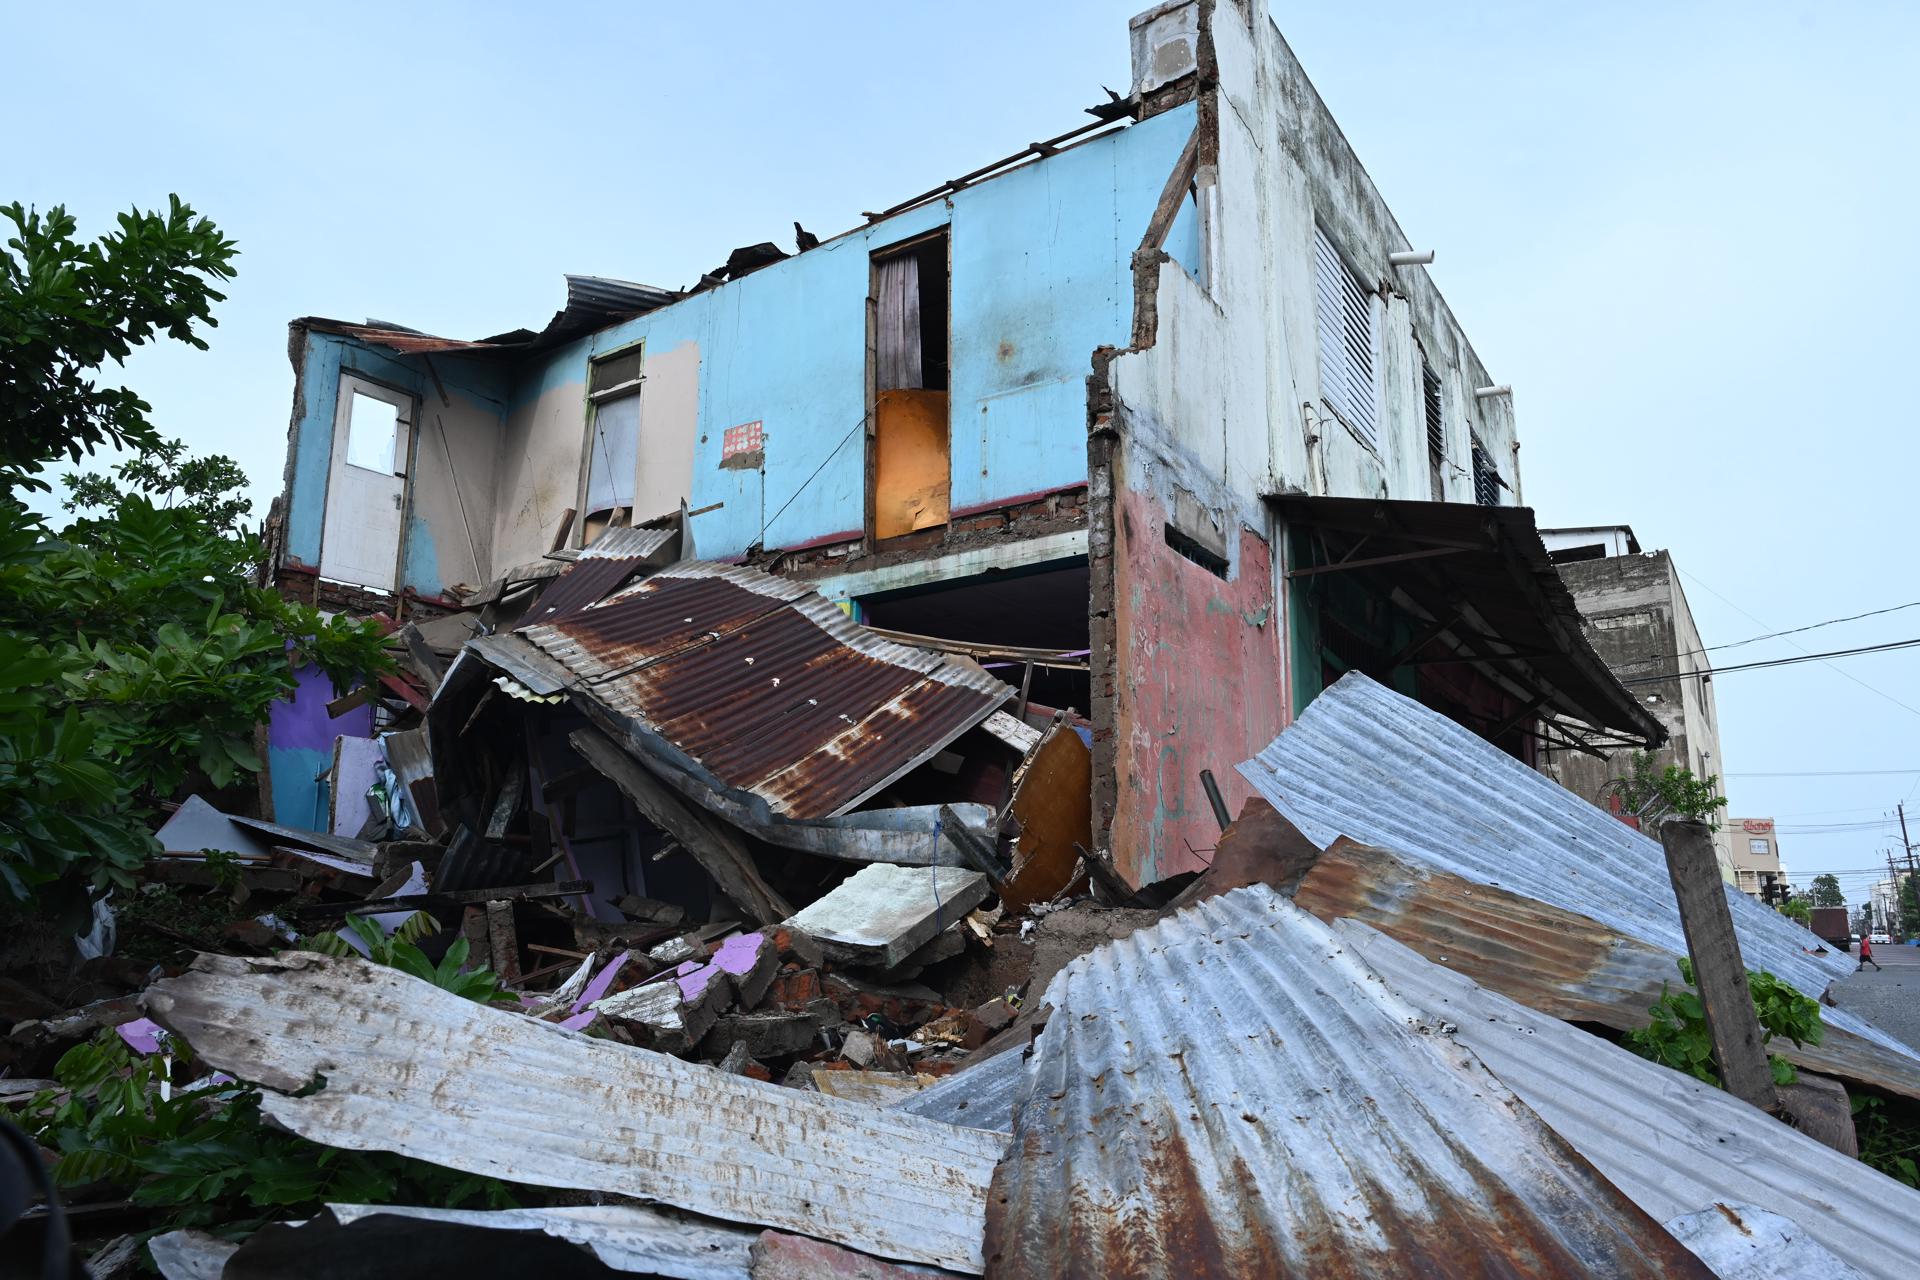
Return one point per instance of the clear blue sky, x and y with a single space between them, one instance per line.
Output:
1683 232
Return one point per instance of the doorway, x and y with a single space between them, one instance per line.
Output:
366 485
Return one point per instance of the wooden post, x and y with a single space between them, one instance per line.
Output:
1719 975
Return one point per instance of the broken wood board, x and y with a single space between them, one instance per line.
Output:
722 853
882 914
1053 803
1018 734
398 1070
881 1088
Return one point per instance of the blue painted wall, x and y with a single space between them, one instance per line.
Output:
471 384
1042 275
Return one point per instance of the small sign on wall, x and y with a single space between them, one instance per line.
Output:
743 439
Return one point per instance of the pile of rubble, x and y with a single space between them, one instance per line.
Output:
811 969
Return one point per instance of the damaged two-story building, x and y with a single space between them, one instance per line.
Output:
1161 418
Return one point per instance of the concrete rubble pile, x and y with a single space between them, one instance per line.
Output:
809 969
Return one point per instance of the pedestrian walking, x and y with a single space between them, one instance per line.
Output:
1866 955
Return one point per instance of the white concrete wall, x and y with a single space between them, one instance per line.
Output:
1233 379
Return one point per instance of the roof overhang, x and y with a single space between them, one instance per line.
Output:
1479 583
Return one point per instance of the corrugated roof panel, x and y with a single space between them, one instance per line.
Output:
1549 959
1366 763
1230 1093
404 1066
769 687
1671 1143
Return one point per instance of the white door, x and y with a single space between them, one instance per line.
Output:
366 486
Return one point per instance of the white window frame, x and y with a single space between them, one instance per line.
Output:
1348 319
595 399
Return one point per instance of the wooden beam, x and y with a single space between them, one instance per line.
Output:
1344 565
1718 972
504 941
717 847
348 701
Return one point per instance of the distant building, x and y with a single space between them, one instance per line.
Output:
1756 855
1635 615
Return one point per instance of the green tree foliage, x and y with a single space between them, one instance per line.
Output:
206 1156
136 652
1797 910
170 477
1655 795
1677 1037
68 307
1826 892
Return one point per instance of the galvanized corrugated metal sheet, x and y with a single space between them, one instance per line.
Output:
625 1237
1229 1093
766 685
1369 764
1672 1144
1549 959
979 1096
404 1066
1741 1242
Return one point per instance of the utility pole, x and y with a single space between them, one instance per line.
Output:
1899 895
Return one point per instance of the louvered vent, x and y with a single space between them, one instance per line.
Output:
1486 478
1436 422
1348 343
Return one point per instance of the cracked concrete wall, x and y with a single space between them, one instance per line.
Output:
1219 402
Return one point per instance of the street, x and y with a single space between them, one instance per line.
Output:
1889 998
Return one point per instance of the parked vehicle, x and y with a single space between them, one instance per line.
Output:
1881 940
1831 926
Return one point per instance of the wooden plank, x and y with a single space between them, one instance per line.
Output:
422 901
413 697
716 847
504 941
424 661
1719 975
349 700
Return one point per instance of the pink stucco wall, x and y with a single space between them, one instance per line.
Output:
1198 685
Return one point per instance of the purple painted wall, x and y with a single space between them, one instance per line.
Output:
300 737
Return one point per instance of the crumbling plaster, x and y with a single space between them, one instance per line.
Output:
1218 403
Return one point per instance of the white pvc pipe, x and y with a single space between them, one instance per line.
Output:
1487 393
1410 258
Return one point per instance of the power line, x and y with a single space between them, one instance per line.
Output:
1743 613
1782 662
1794 631
1830 773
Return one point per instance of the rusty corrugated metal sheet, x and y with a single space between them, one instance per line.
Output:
602 569
401 1065
406 341
1671 1143
1230 1093
766 685
1558 962
1366 763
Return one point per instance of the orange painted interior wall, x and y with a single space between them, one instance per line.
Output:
911 474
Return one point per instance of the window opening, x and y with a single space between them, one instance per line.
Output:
1436 430
910 461
373 435
1487 483
1349 342
613 442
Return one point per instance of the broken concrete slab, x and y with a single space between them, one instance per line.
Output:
761 1035
672 1022
396 1068
749 962
884 913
